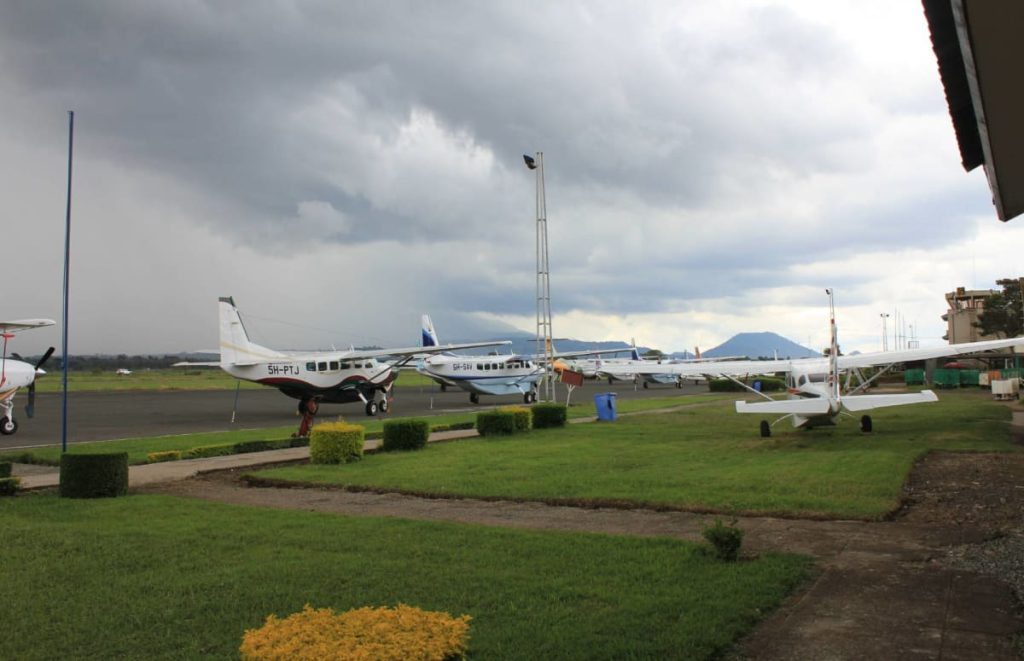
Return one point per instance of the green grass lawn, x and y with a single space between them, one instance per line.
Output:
207 378
138 448
156 577
701 458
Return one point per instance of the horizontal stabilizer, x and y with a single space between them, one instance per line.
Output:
186 363
868 402
803 406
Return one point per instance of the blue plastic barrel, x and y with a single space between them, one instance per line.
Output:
605 405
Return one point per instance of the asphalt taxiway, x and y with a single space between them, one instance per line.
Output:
97 416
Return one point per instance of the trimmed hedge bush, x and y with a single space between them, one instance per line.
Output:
9 486
405 434
169 455
547 415
93 475
204 451
496 423
522 415
5 469
336 443
768 384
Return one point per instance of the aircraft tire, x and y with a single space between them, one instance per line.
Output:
679 384
8 426
645 385
444 387
371 408
474 398
766 429
865 424
383 406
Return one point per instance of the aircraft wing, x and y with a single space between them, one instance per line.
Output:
186 363
802 406
356 354
24 324
868 402
587 352
904 355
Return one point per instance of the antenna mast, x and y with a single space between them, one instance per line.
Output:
544 336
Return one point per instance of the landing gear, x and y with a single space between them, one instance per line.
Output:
766 429
530 396
444 387
307 409
679 383
474 398
645 385
610 379
383 406
865 424
371 408
8 426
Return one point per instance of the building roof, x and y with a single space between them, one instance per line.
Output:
976 43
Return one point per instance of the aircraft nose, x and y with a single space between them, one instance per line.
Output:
40 371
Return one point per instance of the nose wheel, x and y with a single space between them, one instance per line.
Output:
766 429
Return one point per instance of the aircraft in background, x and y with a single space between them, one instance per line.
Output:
814 383
488 375
16 373
316 376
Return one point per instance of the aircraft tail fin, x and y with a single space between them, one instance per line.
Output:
429 334
633 353
235 346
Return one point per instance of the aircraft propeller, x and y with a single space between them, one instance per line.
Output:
30 407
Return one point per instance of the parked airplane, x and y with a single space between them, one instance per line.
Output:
317 376
16 373
814 387
488 375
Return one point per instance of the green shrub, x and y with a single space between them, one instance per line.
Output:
454 426
93 475
157 457
299 442
5 469
522 415
242 447
405 434
547 415
9 486
496 423
204 451
768 384
336 443
726 539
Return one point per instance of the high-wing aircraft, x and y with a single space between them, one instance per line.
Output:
814 383
489 375
353 375
16 373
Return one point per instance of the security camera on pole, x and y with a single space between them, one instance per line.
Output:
544 345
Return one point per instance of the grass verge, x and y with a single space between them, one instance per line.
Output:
703 459
158 577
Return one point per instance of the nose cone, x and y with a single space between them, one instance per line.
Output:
40 371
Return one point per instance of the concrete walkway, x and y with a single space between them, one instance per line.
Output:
47 477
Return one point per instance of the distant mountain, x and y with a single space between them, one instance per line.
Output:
760 345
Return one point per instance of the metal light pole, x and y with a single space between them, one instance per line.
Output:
67 271
544 335
885 332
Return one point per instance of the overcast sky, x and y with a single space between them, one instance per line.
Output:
341 168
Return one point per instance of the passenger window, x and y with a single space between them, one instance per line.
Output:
322 367
346 366
310 367
334 364
479 366
368 365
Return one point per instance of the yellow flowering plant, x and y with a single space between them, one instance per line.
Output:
363 634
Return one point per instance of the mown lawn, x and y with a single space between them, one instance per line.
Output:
155 577
702 458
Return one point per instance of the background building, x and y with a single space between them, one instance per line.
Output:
964 307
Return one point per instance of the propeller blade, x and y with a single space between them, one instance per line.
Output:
30 407
46 357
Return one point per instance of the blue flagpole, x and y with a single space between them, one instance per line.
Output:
67 270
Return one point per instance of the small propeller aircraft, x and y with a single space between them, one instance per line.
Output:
815 396
353 375
489 375
16 373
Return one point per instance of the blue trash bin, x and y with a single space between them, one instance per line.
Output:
605 405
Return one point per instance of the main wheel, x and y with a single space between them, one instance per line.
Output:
679 384
8 426
766 429
371 408
865 424
383 406
610 380
474 398
444 387
645 385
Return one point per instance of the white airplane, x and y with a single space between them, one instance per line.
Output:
488 375
15 373
320 376
814 386
641 369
